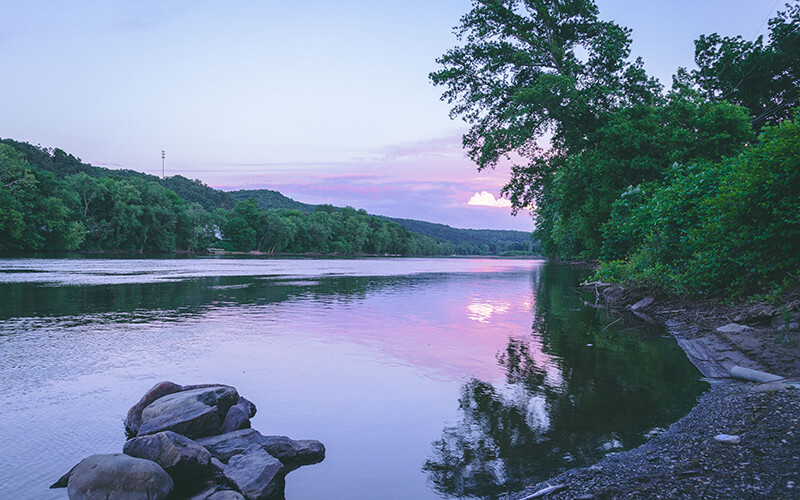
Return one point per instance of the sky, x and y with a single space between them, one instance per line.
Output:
326 102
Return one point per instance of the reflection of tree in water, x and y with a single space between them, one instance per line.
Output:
562 404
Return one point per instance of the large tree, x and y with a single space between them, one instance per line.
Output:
528 67
530 70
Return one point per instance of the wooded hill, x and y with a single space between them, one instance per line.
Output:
52 201
467 241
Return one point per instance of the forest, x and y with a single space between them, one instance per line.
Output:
51 201
692 189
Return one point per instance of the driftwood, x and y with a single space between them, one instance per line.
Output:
753 375
546 491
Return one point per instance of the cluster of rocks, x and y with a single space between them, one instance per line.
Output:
191 442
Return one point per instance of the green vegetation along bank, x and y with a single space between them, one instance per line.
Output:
691 190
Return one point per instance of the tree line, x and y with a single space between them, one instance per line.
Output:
51 201
693 189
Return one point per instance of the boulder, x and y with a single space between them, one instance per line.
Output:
256 474
185 461
294 453
225 446
118 477
235 420
291 453
134 418
193 413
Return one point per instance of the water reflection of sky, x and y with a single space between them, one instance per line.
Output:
378 364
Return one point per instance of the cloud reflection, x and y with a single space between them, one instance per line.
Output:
483 311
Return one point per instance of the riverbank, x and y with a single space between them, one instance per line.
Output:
688 461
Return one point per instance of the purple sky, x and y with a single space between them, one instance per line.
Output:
327 102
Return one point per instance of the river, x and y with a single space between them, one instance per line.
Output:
424 378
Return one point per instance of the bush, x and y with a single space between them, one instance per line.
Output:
726 228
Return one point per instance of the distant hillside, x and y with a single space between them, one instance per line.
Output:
456 235
471 240
267 199
57 202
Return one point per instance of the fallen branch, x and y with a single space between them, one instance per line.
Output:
546 491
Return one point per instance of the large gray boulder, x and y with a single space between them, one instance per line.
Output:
256 474
193 413
134 418
118 477
185 461
290 452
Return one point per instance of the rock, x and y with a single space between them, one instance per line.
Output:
63 480
225 446
215 493
134 418
727 438
193 413
792 326
235 420
256 473
292 453
185 461
247 406
226 495
118 477
642 304
733 328
217 465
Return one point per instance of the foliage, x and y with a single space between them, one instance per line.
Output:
764 78
267 199
715 228
51 201
667 187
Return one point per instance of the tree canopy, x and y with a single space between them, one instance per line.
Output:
549 88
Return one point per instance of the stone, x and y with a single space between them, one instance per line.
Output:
216 493
118 477
727 438
134 418
247 406
235 420
226 495
292 453
255 473
733 328
185 461
193 413
63 480
642 304
225 446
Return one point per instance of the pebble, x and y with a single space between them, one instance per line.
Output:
727 438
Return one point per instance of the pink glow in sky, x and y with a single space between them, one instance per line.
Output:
327 102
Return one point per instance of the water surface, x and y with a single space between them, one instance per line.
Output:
425 378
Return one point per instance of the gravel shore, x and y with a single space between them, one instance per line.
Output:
688 460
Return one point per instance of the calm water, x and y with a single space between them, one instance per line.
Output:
425 378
